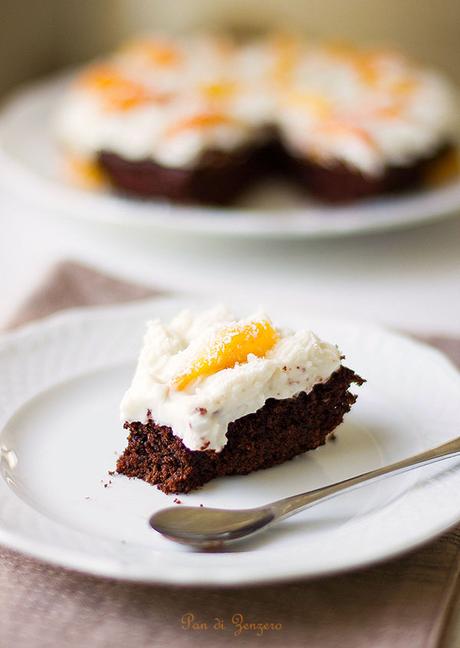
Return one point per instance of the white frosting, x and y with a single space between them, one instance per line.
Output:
85 128
377 125
200 414
382 109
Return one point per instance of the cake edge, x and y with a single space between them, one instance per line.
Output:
277 432
220 178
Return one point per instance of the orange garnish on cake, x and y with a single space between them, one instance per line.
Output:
405 86
231 345
339 128
199 121
400 93
160 53
443 170
315 102
286 49
364 62
391 111
219 90
87 173
117 91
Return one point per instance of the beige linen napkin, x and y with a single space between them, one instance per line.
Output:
403 603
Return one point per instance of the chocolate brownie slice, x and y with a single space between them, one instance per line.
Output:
278 431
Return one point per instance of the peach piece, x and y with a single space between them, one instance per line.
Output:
199 121
117 91
158 53
230 346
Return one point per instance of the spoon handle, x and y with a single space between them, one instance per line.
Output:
286 507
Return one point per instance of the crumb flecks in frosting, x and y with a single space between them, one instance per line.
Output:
201 413
404 111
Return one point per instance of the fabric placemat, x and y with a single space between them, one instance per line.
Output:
402 603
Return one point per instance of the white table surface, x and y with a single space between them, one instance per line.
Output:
407 279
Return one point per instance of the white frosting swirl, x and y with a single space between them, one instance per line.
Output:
366 109
201 413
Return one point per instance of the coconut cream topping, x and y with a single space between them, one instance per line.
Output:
171 100
202 371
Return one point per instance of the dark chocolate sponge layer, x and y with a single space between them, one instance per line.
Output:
220 177
339 183
278 431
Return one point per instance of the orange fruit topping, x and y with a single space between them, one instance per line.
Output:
339 128
158 53
199 121
315 102
286 55
405 86
118 92
444 170
364 62
219 90
231 345
389 112
86 173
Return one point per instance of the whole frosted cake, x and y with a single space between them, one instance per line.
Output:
202 118
214 396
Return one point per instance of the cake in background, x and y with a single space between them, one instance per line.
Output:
215 396
201 118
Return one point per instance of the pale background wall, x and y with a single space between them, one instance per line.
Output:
37 36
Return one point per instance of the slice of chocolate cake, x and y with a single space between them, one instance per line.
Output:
213 396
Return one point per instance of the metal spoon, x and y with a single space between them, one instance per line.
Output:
212 528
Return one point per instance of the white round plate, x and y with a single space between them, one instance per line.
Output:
31 165
62 380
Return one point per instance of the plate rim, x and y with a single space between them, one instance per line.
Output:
86 563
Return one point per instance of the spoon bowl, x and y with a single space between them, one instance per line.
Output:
209 527
205 528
